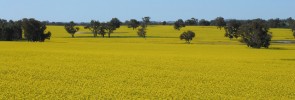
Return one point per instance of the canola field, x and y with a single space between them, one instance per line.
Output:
158 67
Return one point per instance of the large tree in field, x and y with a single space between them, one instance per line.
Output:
112 26
94 27
220 22
232 28
187 36
71 29
179 24
133 23
255 34
35 30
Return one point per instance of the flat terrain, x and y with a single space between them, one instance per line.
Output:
159 67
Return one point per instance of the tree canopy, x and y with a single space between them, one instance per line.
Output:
232 28
71 29
179 24
187 36
10 30
35 30
220 22
255 34
94 27
133 23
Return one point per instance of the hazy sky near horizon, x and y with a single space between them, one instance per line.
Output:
158 10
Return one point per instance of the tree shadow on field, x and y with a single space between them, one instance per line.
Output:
288 59
278 48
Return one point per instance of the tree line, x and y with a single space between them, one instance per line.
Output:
254 33
29 29
98 28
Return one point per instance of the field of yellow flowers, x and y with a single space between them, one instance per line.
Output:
159 67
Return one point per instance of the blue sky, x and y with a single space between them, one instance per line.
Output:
158 10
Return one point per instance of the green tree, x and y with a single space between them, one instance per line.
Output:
274 23
94 27
204 22
187 36
35 30
291 24
164 23
10 30
102 29
146 20
115 22
112 26
142 31
293 28
232 28
71 29
219 22
255 34
290 21
192 21
179 24
133 23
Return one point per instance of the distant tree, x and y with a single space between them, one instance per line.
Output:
290 21
191 21
71 29
293 28
102 29
255 34
291 24
179 24
274 23
35 30
146 20
133 23
164 23
232 28
94 27
142 31
111 26
115 22
219 22
187 36
204 22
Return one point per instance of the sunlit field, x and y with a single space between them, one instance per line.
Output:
161 66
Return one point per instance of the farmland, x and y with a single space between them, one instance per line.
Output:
158 67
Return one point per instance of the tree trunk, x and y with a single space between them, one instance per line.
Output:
73 36
109 34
